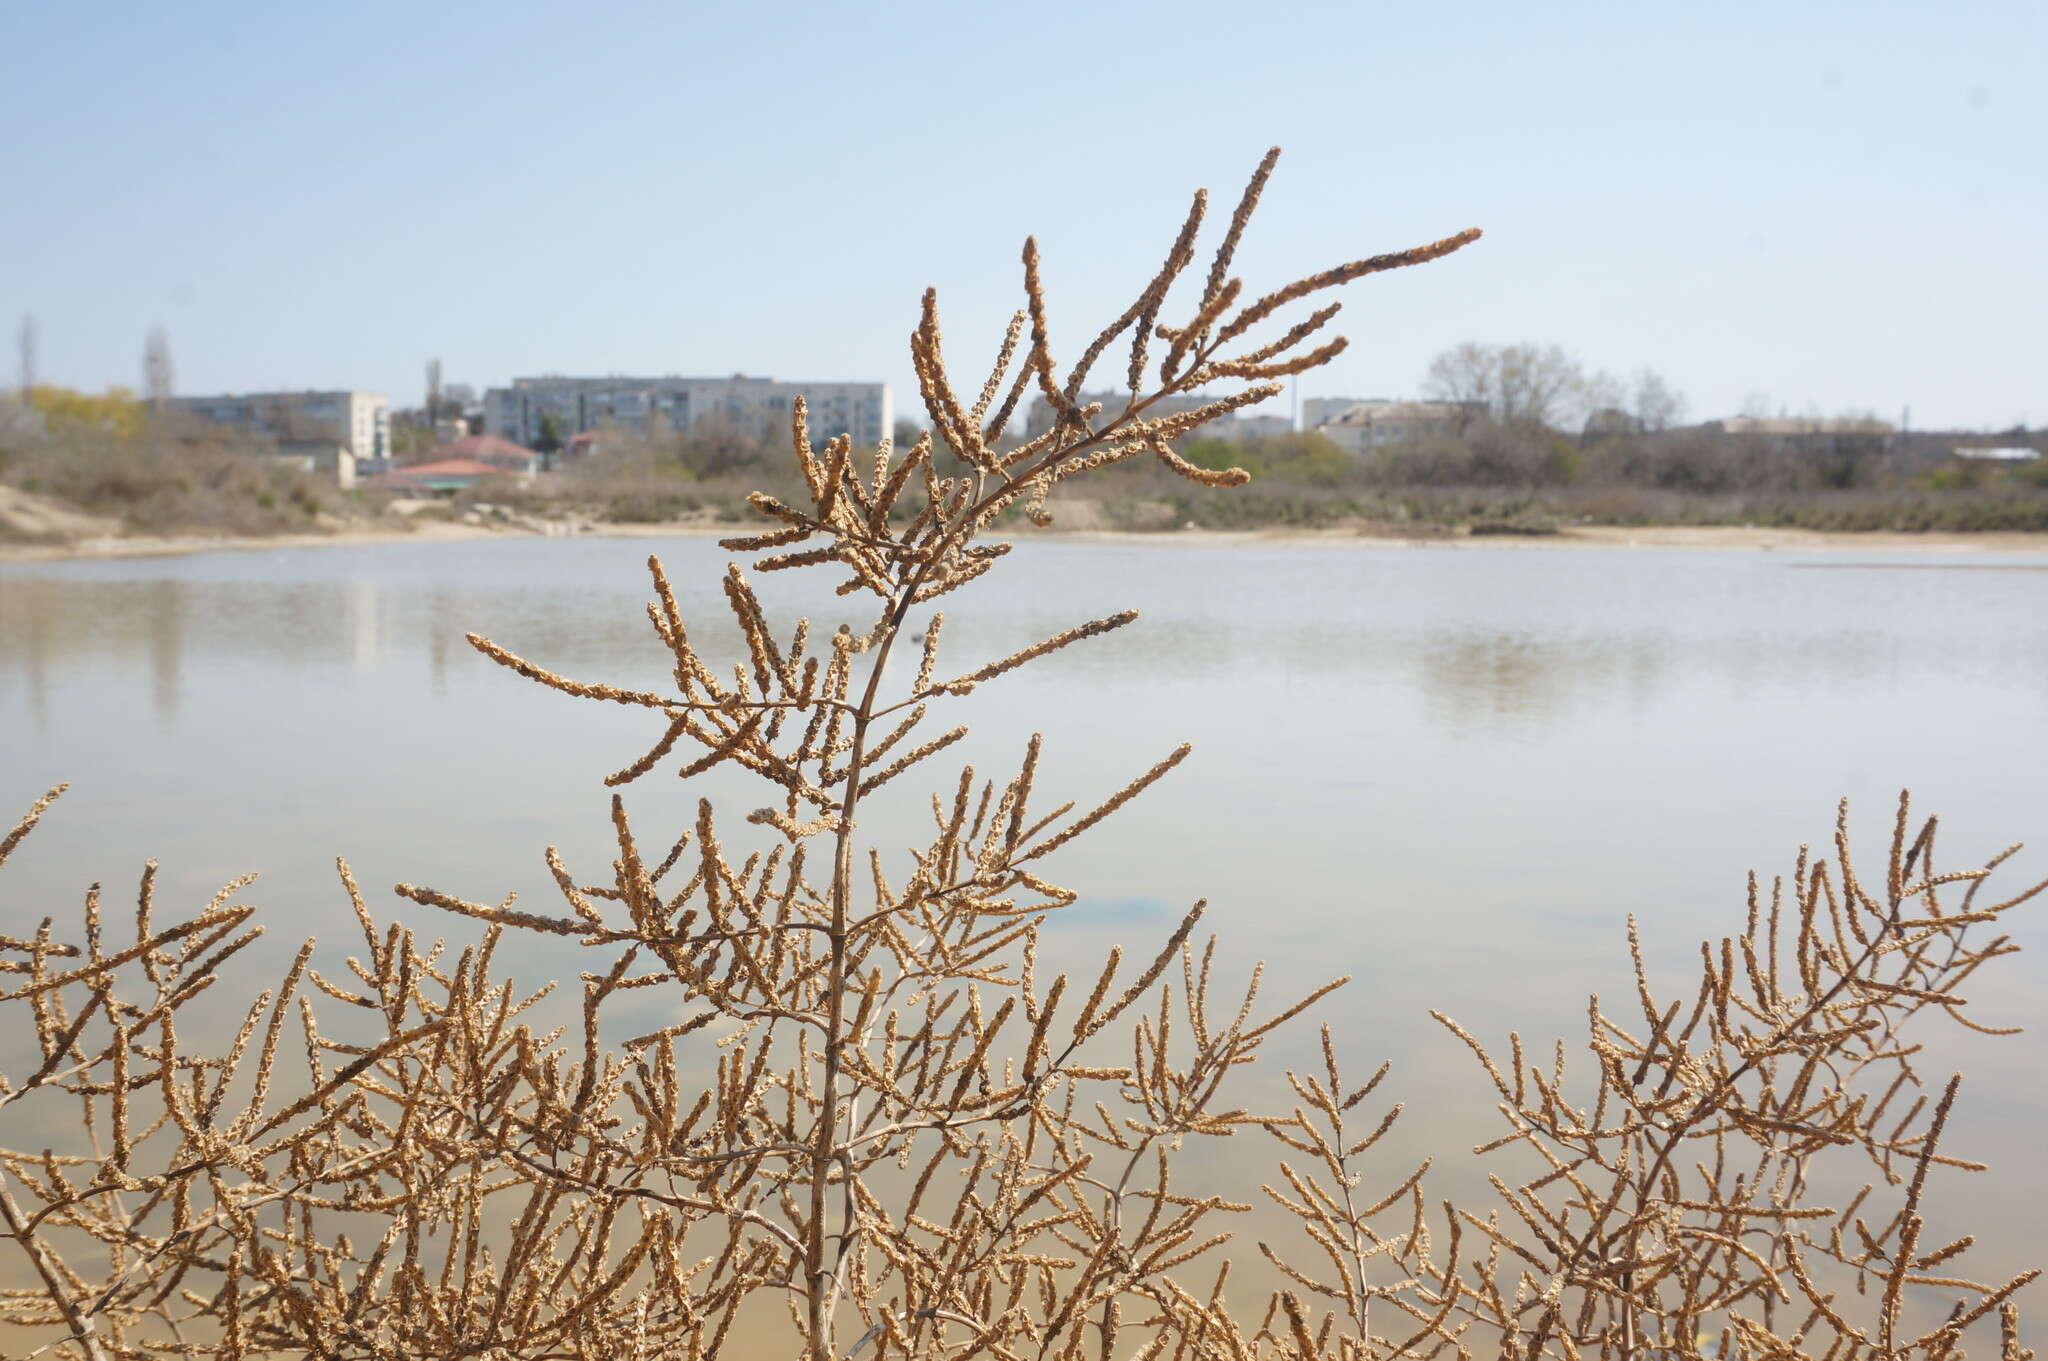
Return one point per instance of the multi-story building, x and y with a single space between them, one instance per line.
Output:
756 406
1365 426
359 422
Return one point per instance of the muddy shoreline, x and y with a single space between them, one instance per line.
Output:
1585 536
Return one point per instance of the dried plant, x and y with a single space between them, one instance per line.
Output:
872 1128
1675 1213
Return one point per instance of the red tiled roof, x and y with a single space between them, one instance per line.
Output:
483 446
447 467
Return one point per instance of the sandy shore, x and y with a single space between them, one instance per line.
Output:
150 546
1588 536
1746 537
1732 537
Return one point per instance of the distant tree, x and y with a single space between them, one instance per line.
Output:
550 441
1602 393
1655 404
1216 454
717 445
1533 385
2030 474
115 411
18 426
407 437
1303 458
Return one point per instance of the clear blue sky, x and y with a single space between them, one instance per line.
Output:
1835 206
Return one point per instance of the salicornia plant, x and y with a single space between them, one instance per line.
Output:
873 1127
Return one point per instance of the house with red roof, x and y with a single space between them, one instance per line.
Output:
443 477
454 466
501 454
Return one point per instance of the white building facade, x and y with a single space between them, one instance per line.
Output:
1365 426
759 407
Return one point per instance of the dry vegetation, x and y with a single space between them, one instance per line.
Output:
872 1121
150 473
1536 480
1488 477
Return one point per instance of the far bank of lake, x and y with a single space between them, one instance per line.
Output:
1720 537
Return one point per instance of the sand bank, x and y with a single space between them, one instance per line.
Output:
1729 538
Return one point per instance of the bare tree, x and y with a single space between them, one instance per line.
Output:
1654 403
1601 392
1529 384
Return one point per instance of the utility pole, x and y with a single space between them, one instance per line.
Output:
157 379
27 340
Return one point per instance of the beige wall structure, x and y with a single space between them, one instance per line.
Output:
1365 426
357 421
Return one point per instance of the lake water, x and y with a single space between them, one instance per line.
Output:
1448 772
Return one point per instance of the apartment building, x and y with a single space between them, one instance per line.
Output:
1365 426
756 406
359 422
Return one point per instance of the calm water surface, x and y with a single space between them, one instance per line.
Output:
1449 773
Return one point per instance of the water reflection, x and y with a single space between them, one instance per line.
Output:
1499 664
1487 678
1448 773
